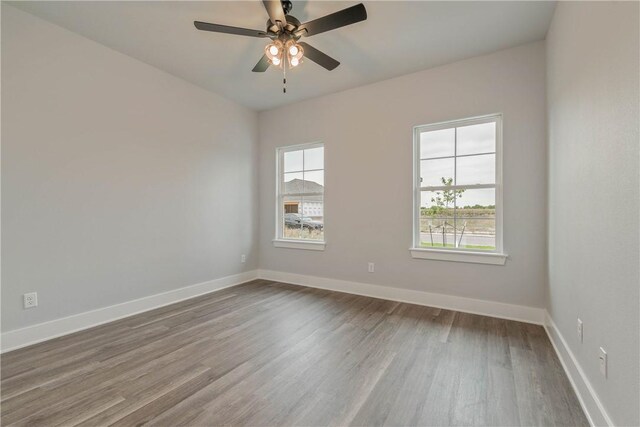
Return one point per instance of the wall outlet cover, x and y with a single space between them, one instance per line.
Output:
580 330
603 362
30 300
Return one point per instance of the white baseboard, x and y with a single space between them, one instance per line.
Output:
467 305
591 405
18 338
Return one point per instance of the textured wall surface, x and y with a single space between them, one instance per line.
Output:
119 181
593 95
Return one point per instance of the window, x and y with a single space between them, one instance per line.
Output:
300 197
457 212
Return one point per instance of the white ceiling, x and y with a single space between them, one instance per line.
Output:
399 37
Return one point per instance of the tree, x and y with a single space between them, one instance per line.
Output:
445 197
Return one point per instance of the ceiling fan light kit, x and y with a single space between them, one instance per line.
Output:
285 50
277 51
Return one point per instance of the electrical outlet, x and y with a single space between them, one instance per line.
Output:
30 300
243 258
603 362
580 329
372 267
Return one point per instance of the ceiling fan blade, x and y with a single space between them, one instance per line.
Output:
262 65
319 57
345 17
217 28
275 11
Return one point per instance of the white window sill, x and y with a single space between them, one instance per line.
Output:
299 244
459 256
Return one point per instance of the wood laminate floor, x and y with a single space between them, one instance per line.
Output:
267 353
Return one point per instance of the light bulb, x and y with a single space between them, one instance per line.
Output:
293 50
294 62
276 61
273 50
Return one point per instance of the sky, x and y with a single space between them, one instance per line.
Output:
437 149
295 162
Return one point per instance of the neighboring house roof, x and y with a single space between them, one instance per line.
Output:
299 186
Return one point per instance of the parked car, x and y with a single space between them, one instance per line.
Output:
294 220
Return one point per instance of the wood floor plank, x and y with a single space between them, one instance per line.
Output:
396 398
502 407
269 353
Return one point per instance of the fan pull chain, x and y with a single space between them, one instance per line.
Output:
284 78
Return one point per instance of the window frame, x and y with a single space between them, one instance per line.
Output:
496 256
280 241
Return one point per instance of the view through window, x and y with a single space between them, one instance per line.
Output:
301 192
457 185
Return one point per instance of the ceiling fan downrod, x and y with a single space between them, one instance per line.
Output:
286 6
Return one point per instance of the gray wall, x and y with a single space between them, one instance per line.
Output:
118 180
367 132
594 185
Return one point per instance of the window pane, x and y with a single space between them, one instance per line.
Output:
434 172
314 182
481 198
476 170
293 183
437 143
476 139
476 219
314 158
291 214
293 161
436 220
312 218
477 234
303 218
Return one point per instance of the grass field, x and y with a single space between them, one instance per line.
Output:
297 233
474 221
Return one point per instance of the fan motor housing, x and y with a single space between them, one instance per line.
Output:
292 25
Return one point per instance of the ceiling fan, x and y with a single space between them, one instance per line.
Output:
285 30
